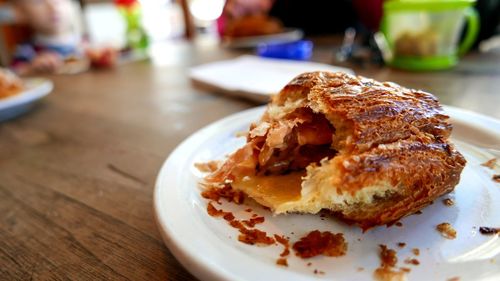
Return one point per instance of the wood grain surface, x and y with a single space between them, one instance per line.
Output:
77 173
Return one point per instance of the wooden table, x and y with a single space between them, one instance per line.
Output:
77 174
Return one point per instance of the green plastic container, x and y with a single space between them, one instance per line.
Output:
425 34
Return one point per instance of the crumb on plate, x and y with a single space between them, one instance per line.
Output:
282 262
207 167
446 230
253 221
389 274
448 202
415 251
412 261
388 256
320 243
226 192
489 230
490 163
496 178
285 242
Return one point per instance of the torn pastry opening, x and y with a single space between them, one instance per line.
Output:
272 166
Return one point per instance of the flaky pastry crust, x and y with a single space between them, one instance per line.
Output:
368 151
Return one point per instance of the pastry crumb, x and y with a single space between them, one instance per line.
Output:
247 236
389 274
496 178
488 230
490 163
226 192
415 251
412 261
456 278
207 167
319 272
448 202
386 271
253 221
446 230
320 243
285 242
405 269
282 262
401 244
388 256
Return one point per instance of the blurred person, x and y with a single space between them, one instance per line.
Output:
8 14
316 17
242 18
57 45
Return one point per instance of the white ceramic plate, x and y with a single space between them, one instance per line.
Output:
36 88
209 249
288 35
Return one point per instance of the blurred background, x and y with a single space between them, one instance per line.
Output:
364 28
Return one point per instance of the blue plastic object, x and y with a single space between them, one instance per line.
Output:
298 50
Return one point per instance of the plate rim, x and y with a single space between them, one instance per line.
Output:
40 87
201 267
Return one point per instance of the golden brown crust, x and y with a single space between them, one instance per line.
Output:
372 112
418 172
383 141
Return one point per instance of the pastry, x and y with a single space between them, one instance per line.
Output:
367 151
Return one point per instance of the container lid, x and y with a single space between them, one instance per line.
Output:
298 50
428 5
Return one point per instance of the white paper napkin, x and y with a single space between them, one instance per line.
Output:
253 77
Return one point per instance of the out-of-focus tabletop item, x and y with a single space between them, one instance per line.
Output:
33 90
287 35
252 77
245 24
425 34
297 50
136 37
